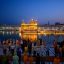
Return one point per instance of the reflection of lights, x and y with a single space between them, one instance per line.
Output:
41 32
44 34
19 34
7 32
3 32
10 33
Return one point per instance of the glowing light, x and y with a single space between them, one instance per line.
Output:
29 31
44 34
3 32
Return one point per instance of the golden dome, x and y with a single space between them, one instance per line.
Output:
33 22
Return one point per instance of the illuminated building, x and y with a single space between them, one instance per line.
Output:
29 31
32 30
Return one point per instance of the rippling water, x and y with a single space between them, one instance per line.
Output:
48 39
9 36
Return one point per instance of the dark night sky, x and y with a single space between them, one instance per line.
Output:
14 11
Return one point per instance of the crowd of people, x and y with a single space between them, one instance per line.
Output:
11 48
15 50
59 48
22 50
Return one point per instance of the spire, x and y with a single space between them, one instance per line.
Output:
22 22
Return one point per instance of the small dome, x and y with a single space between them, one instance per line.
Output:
33 22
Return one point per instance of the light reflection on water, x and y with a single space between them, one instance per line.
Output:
9 35
15 35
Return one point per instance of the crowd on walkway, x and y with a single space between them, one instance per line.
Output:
16 49
59 48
